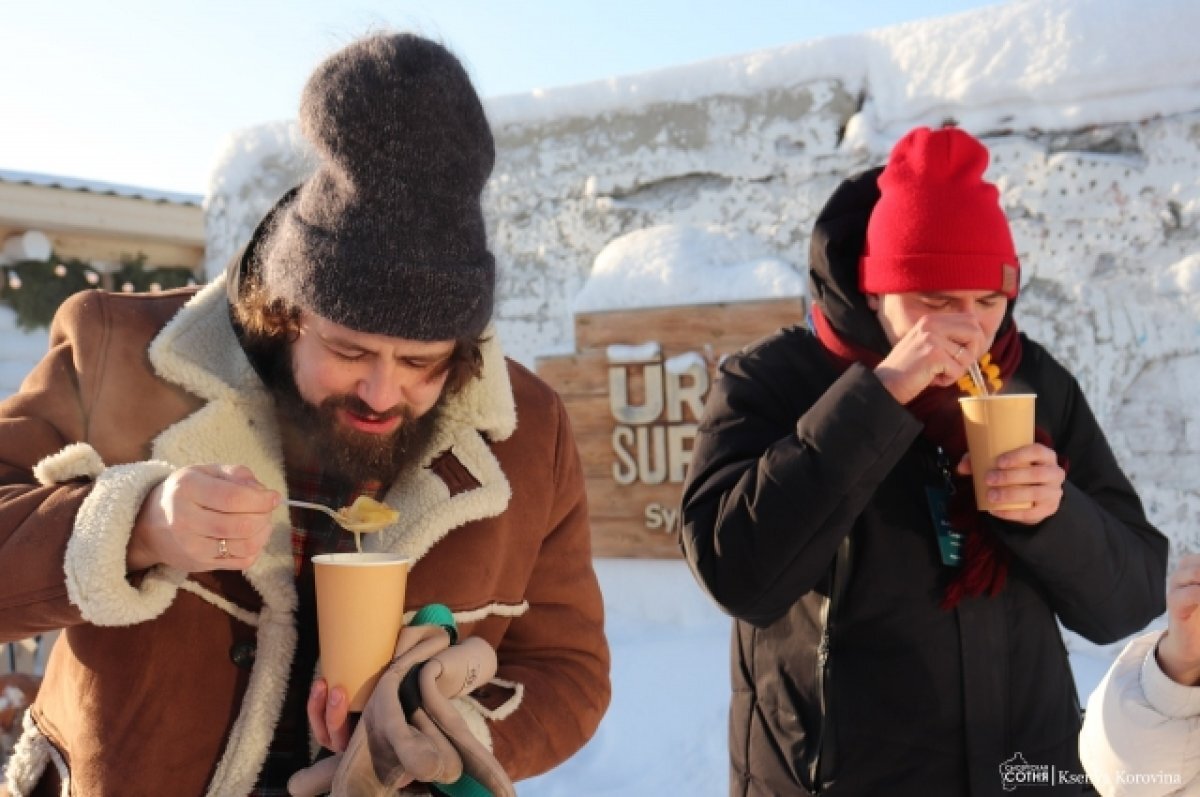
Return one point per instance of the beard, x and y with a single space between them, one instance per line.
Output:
346 454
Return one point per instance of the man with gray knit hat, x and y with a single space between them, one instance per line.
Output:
346 352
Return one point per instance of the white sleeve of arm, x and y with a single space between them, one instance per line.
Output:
97 579
1141 732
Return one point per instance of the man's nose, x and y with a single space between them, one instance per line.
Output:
971 308
381 389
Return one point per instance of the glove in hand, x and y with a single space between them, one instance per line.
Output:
410 731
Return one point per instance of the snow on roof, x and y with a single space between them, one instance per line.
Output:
671 265
99 187
1048 64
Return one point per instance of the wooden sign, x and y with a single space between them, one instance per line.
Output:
635 391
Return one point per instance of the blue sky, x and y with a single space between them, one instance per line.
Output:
144 92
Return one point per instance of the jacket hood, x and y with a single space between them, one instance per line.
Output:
838 238
837 244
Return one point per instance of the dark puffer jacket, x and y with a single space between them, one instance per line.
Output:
805 518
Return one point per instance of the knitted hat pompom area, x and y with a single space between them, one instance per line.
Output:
388 236
938 225
397 104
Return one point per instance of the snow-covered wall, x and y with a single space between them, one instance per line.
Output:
1094 126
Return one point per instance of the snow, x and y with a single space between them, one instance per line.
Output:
19 350
1181 277
665 732
1045 64
240 163
98 187
1037 64
671 265
641 353
682 363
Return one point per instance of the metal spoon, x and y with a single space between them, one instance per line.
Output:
349 524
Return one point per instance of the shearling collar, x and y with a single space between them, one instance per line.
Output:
199 351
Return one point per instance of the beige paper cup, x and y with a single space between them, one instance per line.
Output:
995 425
360 610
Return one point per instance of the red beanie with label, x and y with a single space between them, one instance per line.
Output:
938 225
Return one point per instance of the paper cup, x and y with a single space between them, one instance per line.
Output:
995 425
360 610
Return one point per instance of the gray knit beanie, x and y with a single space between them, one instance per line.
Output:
387 237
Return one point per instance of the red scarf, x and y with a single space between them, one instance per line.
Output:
985 558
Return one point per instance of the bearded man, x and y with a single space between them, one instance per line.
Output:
347 351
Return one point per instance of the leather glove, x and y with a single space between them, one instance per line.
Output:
410 731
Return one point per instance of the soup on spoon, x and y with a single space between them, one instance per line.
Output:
366 516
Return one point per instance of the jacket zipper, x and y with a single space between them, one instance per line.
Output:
823 767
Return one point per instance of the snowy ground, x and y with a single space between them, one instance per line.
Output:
665 731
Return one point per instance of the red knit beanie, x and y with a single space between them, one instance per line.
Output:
938 225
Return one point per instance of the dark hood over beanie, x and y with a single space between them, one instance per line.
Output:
388 237
839 239
938 225
926 245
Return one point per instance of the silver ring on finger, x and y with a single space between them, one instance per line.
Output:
222 548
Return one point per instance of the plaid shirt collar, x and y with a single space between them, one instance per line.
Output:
315 532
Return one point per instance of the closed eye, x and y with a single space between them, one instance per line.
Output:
416 363
430 367
350 355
